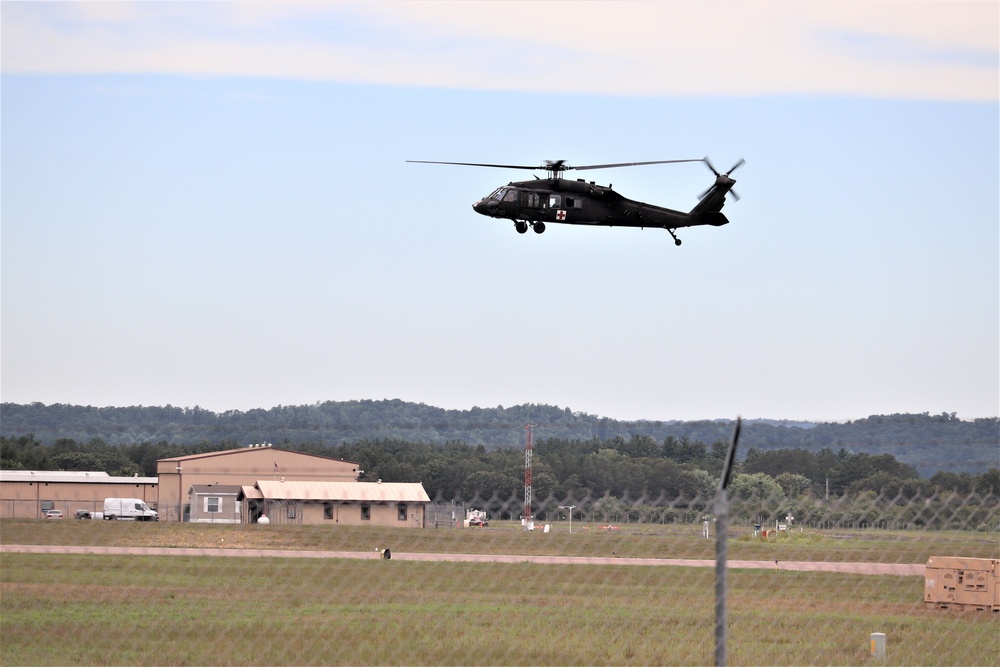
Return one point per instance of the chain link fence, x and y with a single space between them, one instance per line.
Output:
751 506
602 580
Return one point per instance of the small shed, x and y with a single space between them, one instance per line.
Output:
215 503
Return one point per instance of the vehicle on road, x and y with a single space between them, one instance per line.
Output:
83 514
53 514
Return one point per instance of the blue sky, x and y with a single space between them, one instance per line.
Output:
209 204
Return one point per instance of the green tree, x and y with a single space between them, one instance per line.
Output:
793 485
755 486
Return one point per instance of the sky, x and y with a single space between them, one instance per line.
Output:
210 204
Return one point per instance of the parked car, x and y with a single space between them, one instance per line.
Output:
84 514
53 514
128 509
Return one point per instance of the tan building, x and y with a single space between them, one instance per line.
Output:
241 467
335 503
28 494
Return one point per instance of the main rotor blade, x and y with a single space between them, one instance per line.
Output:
558 165
628 164
476 164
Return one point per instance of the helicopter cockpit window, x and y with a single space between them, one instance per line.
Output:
497 194
511 196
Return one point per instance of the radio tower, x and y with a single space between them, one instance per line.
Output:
529 521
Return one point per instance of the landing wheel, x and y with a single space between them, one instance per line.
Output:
677 241
520 227
539 227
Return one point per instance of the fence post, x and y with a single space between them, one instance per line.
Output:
721 549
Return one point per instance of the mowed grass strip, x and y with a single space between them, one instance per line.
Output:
180 610
630 541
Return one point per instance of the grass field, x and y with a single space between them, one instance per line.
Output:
179 610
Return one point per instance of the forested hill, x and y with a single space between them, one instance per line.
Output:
930 443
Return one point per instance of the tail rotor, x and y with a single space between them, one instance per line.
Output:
723 179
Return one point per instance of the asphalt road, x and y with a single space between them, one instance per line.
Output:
798 566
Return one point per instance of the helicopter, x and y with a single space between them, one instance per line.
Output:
579 202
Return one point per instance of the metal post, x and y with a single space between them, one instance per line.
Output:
878 645
570 508
722 548
180 494
721 554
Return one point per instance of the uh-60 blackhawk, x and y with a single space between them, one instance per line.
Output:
579 202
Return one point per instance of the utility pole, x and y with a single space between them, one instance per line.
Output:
529 520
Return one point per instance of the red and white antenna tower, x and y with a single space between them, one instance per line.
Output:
529 520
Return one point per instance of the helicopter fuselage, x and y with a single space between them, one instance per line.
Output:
578 202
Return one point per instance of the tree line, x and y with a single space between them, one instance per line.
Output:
634 467
929 443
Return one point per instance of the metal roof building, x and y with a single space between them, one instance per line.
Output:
241 467
28 494
345 503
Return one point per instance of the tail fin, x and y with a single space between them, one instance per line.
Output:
714 218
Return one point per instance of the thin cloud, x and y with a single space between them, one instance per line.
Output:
925 50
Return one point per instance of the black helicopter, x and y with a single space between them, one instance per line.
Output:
555 199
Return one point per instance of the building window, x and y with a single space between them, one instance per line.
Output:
366 512
401 512
328 511
291 512
211 505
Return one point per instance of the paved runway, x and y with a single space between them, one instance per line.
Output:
798 566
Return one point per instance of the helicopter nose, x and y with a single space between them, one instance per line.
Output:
483 207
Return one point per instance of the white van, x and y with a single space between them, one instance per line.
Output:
128 509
